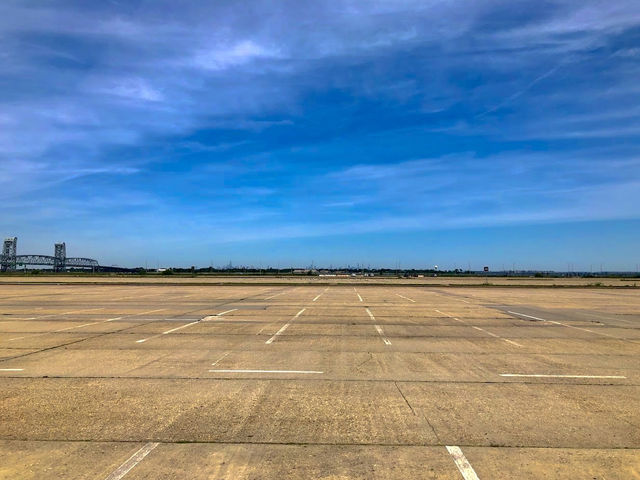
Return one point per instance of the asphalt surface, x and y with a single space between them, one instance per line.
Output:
286 381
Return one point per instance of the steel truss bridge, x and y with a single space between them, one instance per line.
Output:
44 260
9 260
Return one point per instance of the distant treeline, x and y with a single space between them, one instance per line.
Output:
342 272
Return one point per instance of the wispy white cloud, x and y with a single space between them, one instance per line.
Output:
130 88
312 118
221 58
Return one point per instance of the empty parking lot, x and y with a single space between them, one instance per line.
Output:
259 380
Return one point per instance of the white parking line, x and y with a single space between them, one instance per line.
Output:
558 376
265 371
495 336
210 317
284 327
136 314
571 326
528 316
11 369
216 362
260 331
139 296
406 298
168 331
320 294
274 296
64 313
480 329
55 331
133 460
467 471
281 293
217 315
379 328
180 328
87 324
78 326
359 297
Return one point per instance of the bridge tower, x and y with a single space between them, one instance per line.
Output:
9 252
60 257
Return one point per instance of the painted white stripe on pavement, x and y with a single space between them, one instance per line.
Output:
320 294
273 296
168 331
379 328
65 313
571 326
180 328
139 296
216 362
406 298
537 375
217 315
77 326
53 315
85 324
359 297
144 313
467 471
480 329
260 331
136 314
528 316
284 327
11 369
111 319
135 459
265 371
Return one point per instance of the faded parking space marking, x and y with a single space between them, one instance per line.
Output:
135 459
406 298
542 375
379 329
284 327
480 329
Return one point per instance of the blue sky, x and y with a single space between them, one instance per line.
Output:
278 133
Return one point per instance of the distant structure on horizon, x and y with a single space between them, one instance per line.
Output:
10 259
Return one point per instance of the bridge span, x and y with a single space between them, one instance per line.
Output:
9 260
